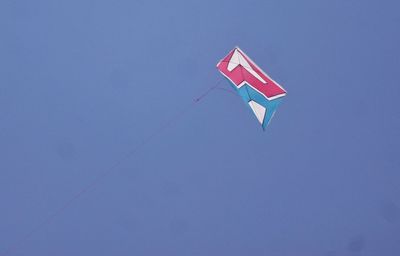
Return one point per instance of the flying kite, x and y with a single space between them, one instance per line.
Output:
258 90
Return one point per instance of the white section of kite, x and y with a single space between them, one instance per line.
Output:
238 59
258 109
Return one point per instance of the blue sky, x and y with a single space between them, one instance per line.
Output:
84 82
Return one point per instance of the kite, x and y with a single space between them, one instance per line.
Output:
258 90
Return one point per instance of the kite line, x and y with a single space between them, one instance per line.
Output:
173 119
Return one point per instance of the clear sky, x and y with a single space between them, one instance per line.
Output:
84 82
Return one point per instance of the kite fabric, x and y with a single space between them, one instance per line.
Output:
258 90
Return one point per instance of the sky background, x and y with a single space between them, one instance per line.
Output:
84 82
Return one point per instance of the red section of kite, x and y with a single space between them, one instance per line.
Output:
240 75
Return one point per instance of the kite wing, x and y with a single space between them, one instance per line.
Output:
258 90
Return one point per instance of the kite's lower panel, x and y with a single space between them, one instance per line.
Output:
263 108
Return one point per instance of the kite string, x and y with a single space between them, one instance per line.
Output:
110 170
228 91
207 92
